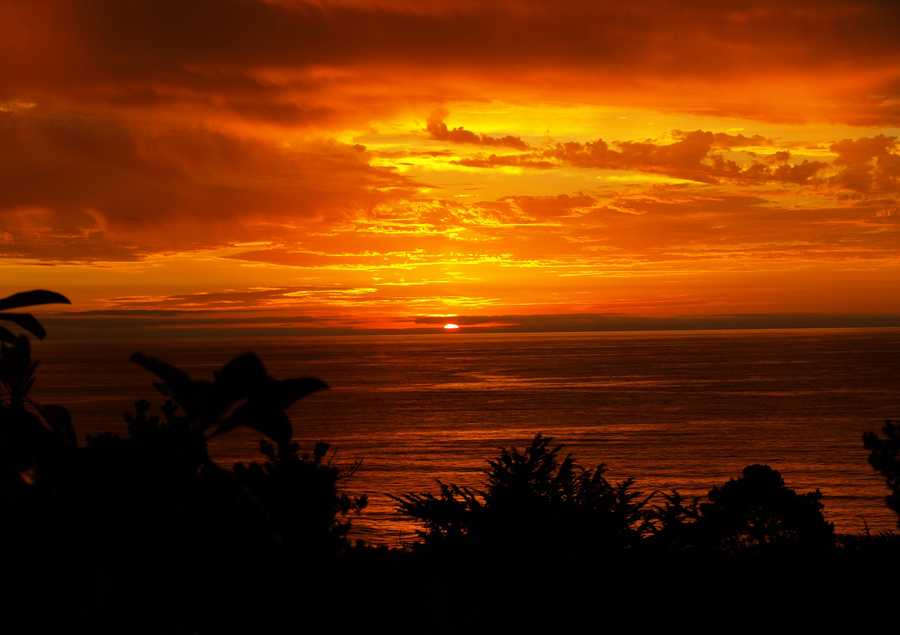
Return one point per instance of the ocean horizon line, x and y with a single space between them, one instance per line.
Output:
69 331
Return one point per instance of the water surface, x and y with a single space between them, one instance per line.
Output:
680 410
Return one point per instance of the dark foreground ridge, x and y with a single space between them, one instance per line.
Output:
145 533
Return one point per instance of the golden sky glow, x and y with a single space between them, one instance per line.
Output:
371 164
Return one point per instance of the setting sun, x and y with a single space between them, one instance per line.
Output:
450 326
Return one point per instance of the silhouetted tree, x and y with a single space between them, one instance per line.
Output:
673 524
533 499
884 456
759 510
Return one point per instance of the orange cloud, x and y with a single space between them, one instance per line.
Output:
691 157
272 153
868 165
438 130
724 139
107 189
292 63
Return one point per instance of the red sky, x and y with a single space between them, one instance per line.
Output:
370 164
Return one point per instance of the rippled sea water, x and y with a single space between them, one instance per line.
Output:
680 410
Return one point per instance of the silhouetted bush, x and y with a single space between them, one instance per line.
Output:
754 512
884 456
533 500
300 495
758 510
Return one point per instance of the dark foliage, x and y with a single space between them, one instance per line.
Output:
301 497
754 512
29 431
26 321
884 456
148 523
242 393
673 523
758 510
549 543
157 515
296 494
533 499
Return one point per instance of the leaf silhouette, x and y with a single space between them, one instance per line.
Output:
288 391
263 417
174 378
242 376
242 393
27 322
60 422
198 398
32 298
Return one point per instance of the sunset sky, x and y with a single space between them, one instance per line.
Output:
386 164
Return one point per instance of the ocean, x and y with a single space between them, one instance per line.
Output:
683 410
